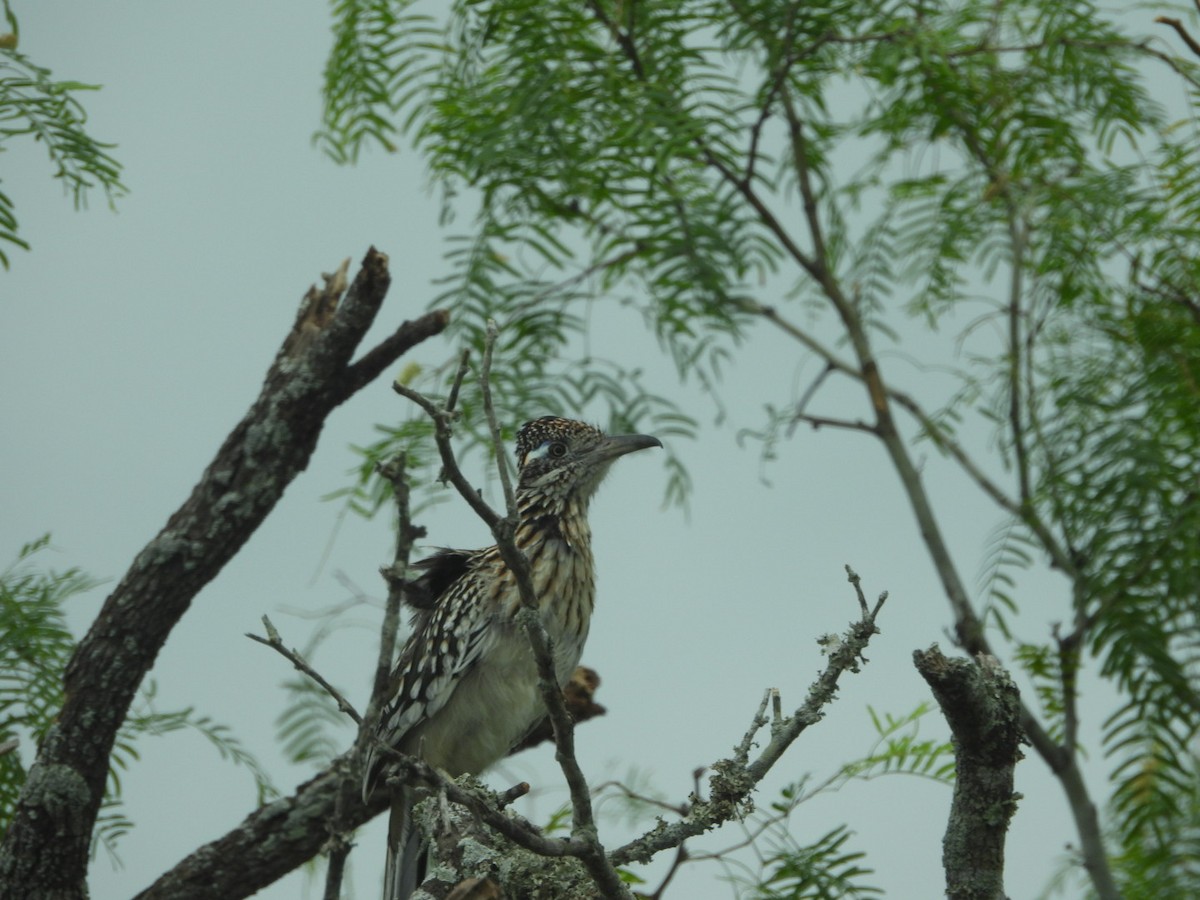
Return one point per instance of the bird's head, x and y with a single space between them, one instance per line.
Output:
561 459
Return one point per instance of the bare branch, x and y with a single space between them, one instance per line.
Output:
450 469
274 641
394 470
735 778
583 825
818 422
742 751
730 786
854 579
45 848
337 849
681 856
937 434
809 393
1192 43
1016 293
459 377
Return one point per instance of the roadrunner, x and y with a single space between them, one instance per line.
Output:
464 691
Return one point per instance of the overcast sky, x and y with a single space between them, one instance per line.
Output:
131 342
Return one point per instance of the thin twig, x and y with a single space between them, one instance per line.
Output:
395 471
273 641
742 751
459 377
930 427
808 194
826 421
809 393
778 77
1016 293
335 869
485 385
681 856
516 792
678 809
450 469
855 580
1068 674
1191 42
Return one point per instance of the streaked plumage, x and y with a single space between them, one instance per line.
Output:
464 691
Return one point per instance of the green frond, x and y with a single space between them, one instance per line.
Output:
35 646
900 750
380 55
1160 855
33 105
1010 550
310 728
823 870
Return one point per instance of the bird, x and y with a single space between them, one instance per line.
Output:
464 690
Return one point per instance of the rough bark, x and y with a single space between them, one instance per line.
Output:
983 708
271 841
469 858
45 851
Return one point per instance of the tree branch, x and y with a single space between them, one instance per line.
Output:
271 841
733 781
1192 43
834 363
45 849
982 706
735 778
1063 762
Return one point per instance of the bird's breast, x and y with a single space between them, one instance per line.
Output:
560 557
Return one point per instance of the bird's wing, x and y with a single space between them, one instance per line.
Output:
450 637
438 572
449 640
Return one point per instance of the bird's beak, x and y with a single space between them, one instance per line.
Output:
619 444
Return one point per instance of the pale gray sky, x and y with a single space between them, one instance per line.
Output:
131 342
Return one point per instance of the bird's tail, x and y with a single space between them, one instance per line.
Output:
405 856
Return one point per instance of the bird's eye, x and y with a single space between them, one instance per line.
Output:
557 450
